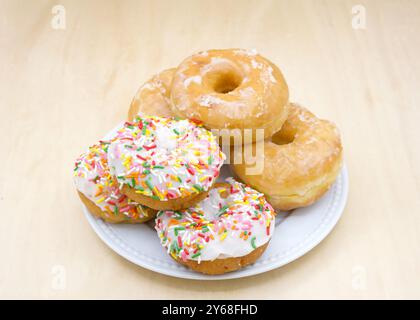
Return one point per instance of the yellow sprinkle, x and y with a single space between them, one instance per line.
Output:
156 191
223 236
100 200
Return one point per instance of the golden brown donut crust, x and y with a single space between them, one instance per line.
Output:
241 90
301 161
221 266
115 218
153 97
172 204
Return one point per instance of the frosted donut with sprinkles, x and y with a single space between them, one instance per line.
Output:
226 231
165 163
100 192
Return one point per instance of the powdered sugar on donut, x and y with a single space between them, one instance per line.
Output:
194 79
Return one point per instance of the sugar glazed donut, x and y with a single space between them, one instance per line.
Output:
233 89
165 163
301 161
153 97
99 190
226 231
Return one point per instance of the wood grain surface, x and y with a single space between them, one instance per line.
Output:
62 89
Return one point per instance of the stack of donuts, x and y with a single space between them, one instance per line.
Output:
164 162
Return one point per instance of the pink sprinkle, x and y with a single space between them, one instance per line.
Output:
170 194
140 157
150 147
125 209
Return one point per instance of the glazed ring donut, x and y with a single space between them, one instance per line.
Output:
233 89
226 231
153 97
165 163
99 191
301 161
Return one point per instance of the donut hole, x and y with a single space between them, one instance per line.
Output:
285 136
224 81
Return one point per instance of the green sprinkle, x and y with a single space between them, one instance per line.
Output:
179 179
176 132
158 167
146 165
198 187
178 229
253 243
149 184
210 161
155 197
196 255
129 146
133 181
139 188
224 209
139 148
147 171
116 210
143 131
130 126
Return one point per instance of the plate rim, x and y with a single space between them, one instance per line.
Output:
319 234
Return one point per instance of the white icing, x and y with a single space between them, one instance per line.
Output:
218 214
168 150
93 179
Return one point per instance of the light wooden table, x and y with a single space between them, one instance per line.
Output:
62 89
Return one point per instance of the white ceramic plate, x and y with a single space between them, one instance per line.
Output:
295 234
